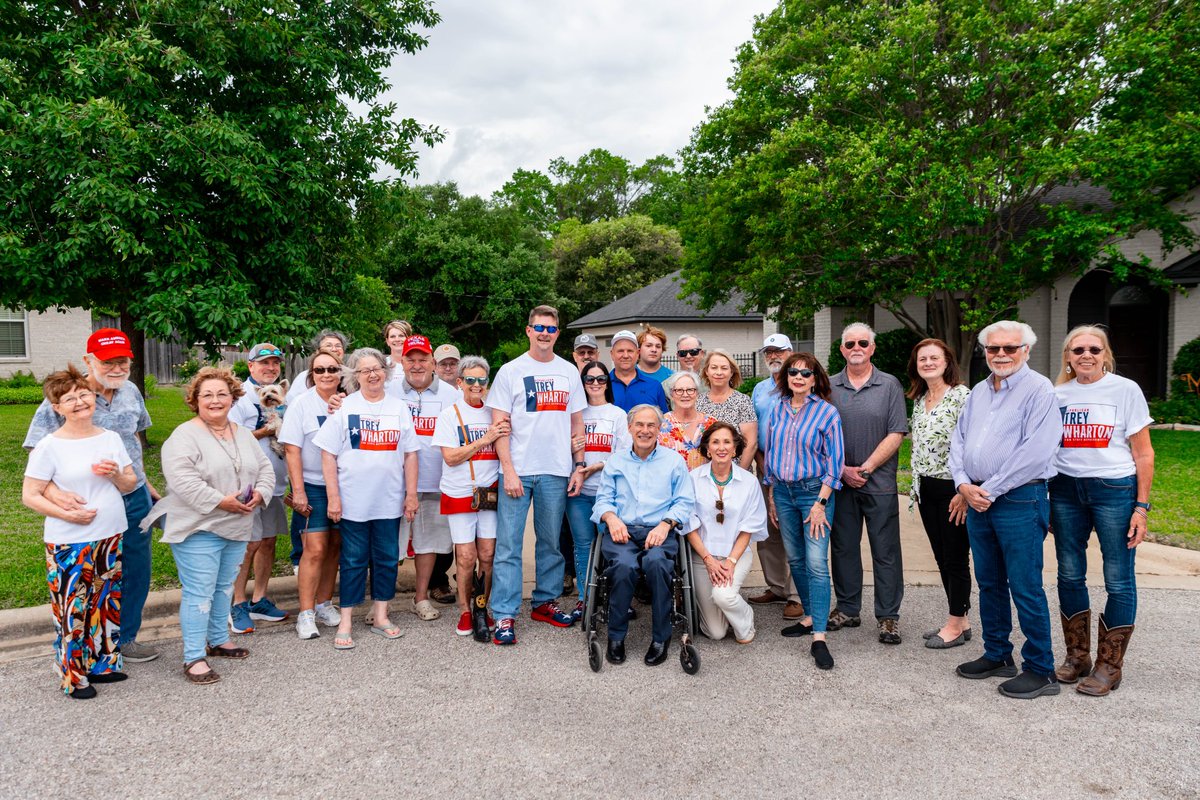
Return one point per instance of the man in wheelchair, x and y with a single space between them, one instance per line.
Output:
644 499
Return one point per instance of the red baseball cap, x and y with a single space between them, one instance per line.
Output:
108 343
420 343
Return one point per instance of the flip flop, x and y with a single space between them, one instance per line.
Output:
343 643
388 632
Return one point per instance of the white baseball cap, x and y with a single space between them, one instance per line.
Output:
777 341
628 336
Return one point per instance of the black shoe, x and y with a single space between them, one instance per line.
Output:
616 651
984 667
821 655
1029 685
107 677
632 614
83 693
442 595
657 653
799 629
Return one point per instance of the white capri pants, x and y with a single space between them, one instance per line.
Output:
724 607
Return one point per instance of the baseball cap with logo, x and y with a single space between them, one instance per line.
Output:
586 340
446 351
625 336
417 343
109 343
264 350
777 341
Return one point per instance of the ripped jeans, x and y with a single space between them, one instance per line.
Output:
207 565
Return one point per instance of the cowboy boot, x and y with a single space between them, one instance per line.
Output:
1110 656
1077 631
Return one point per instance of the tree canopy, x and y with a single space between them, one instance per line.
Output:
878 150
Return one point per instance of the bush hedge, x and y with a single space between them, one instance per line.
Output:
22 395
1187 362
892 350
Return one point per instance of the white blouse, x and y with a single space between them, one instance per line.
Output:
745 510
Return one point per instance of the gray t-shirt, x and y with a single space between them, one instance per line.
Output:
868 415
125 416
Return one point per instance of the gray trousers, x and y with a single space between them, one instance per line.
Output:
881 512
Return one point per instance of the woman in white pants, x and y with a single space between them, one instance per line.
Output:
729 514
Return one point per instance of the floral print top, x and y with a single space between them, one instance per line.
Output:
737 409
931 434
671 435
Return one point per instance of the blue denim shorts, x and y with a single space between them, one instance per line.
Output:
317 520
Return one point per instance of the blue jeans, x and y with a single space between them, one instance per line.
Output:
624 562
1077 505
548 493
1006 541
207 565
135 564
375 542
808 558
583 531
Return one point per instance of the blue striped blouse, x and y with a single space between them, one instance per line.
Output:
805 444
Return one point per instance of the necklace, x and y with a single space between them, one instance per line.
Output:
725 482
234 456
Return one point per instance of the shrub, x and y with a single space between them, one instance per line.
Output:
1181 408
21 395
747 385
241 369
151 384
1187 362
188 369
20 380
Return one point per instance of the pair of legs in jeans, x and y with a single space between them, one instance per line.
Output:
548 494
207 566
808 556
373 542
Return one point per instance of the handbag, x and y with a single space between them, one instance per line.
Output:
483 498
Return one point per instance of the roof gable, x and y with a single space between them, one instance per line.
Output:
659 302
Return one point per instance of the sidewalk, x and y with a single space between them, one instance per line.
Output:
26 632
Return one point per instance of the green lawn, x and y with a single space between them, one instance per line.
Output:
1175 520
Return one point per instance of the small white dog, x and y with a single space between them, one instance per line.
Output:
273 399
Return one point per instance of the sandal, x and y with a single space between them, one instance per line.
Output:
203 678
425 610
389 631
226 652
343 642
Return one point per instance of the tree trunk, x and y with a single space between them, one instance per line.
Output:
945 322
137 343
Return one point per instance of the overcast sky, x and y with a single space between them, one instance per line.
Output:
515 83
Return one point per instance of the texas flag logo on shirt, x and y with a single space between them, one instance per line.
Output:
599 436
424 416
1088 425
373 433
543 394
474 432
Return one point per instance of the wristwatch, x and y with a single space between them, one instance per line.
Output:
732 560
672 524
580 464
1142 505
865 473
823 501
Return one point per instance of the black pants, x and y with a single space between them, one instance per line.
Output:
951 546
440 578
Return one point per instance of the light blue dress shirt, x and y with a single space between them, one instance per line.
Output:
645 491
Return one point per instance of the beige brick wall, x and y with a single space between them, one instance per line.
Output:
53 339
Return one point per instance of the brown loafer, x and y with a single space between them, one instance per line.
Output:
766 598
226 652
793 610
204 678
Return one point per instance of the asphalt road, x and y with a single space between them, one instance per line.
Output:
436 715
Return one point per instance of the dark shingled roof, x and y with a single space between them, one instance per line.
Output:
659 302
1185 271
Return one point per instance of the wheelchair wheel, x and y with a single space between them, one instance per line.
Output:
595 653
689 659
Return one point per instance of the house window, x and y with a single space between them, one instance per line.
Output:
12 334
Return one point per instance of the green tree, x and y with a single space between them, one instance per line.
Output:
879 150
194 164
598 262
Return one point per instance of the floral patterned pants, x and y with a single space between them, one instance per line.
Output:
85 598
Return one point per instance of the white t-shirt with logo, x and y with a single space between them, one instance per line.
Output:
1098 419
305 416
250 414
68 463
607 430
370 441
426 406
456 481
540 397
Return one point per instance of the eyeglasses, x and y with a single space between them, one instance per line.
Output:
369 371
692 351
208 397
1093 350
863 343
1009 349
720 511
600 379
83 396
803 373
545 328
473 381
684 392
269 351
325 370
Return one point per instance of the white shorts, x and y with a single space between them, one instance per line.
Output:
269 520
466 528
431 530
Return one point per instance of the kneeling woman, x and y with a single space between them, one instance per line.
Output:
729 514
467 436
83 545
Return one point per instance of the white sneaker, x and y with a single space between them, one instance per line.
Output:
425 611
328 615
306 625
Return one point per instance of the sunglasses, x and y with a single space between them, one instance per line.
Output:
694 351
326 370
863 343
269 351
1093 350
545 328
803 373
720 511
1009 349
473 381
600 379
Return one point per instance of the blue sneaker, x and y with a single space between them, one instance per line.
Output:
577 614
239 618
506 632
264 609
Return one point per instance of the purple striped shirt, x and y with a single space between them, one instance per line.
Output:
806 444
1008 437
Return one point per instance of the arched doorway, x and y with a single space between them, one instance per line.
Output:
1135 314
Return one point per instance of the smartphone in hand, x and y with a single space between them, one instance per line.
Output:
246 494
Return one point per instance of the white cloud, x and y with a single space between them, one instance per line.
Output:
515 83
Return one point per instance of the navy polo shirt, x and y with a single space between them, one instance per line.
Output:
642 389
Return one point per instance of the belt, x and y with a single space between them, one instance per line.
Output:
1038 482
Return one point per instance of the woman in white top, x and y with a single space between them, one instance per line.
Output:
606 431
321 541
730 513
1105 468
467 437
334 342
83 545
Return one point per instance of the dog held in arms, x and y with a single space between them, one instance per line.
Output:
273 399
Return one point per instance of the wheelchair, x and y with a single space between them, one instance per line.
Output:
683 607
